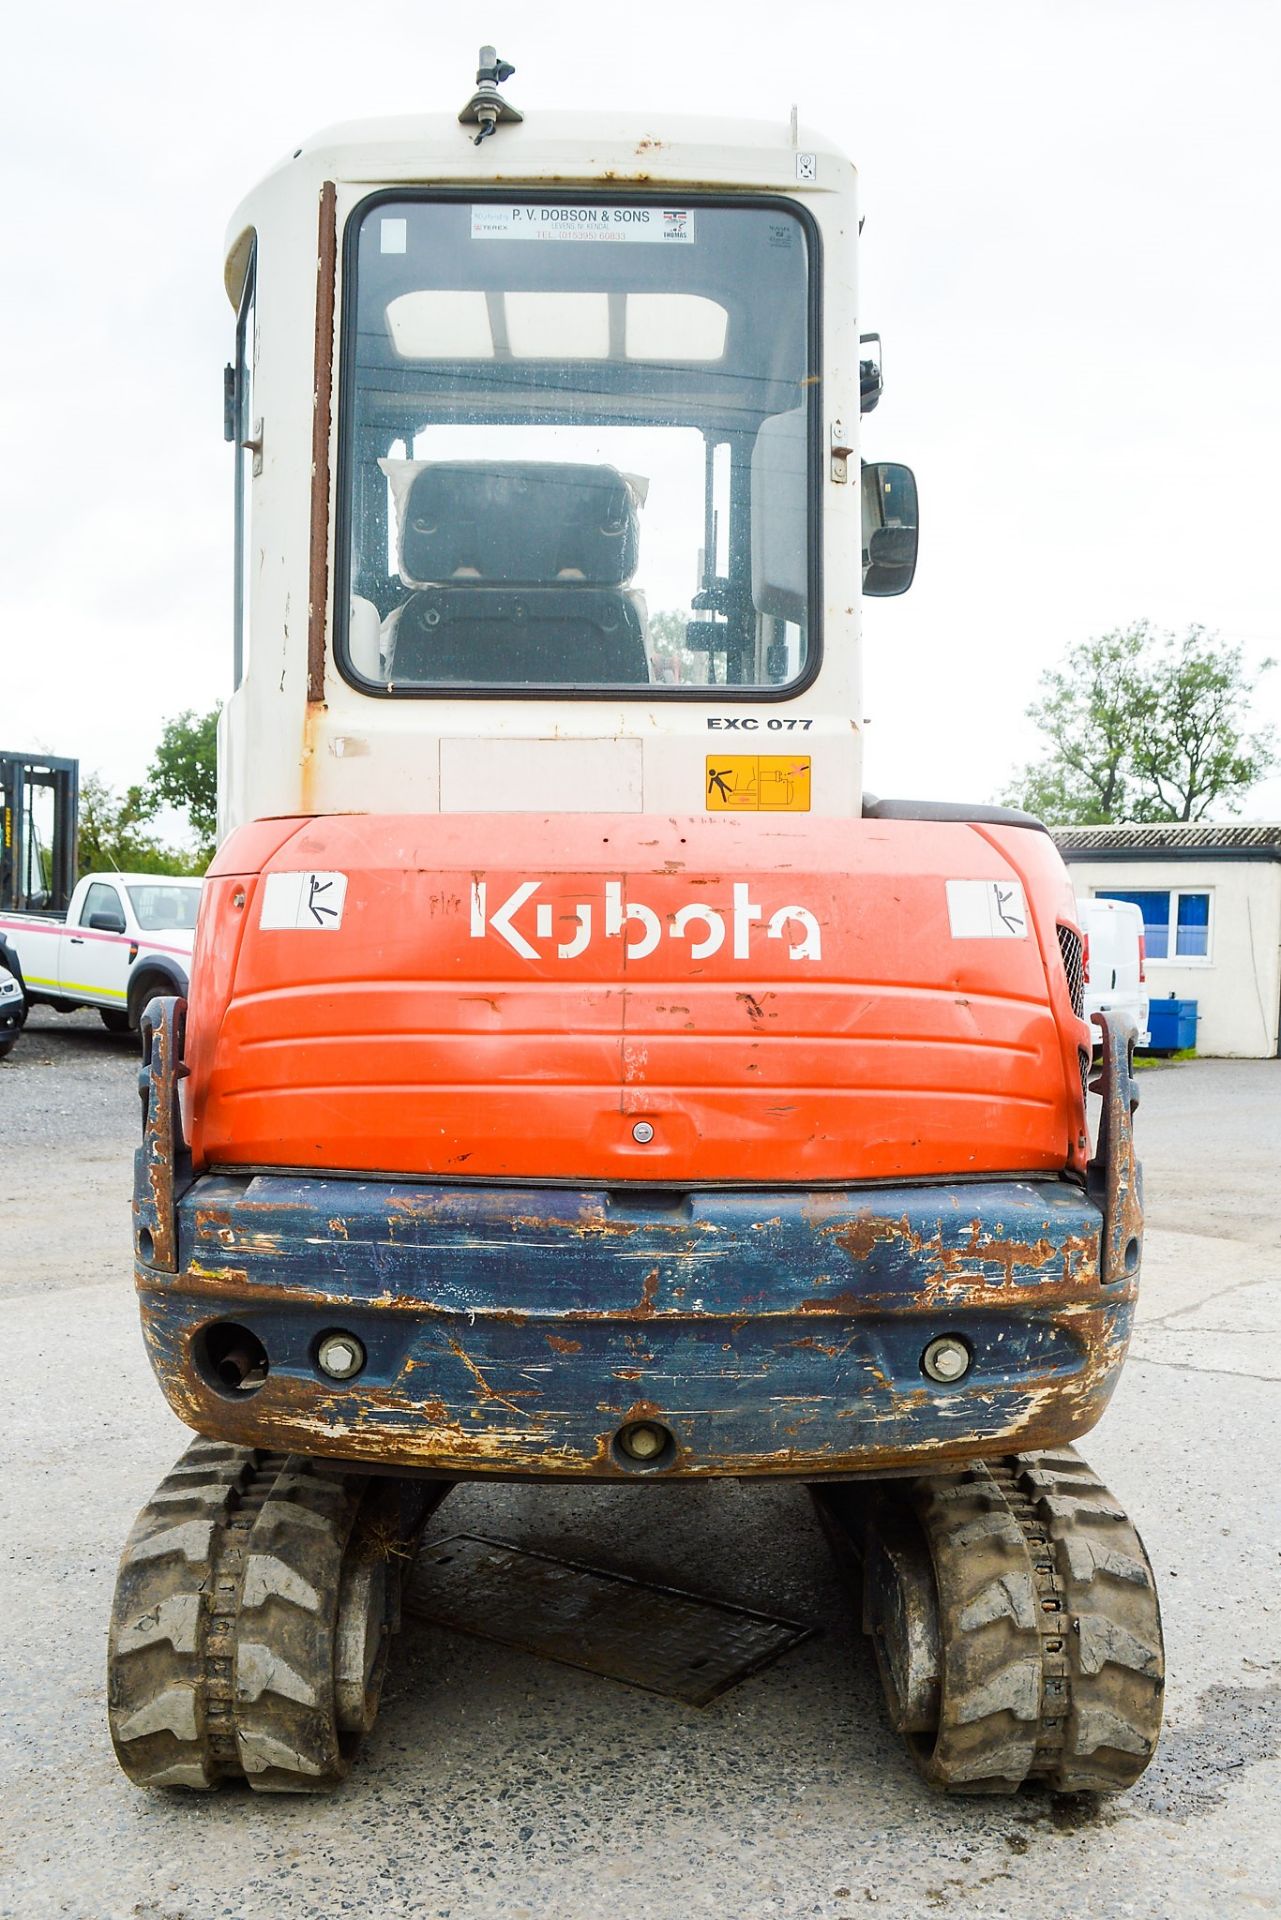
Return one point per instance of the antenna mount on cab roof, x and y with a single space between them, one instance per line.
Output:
487 107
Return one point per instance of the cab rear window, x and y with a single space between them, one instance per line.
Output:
577 447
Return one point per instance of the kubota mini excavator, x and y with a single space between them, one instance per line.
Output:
581 1078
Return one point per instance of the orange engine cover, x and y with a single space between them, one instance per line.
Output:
511 996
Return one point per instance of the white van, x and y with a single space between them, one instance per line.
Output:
1115 961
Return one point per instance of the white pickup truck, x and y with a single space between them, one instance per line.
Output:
126 937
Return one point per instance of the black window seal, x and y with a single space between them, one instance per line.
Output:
248 296
718 695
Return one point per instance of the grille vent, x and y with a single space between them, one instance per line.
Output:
1070 948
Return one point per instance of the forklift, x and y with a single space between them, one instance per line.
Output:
39 811
583 1080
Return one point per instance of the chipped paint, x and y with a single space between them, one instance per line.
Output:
1115 1177
772 1332
746 1357
162 1169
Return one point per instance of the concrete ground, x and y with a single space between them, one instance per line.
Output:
496 1784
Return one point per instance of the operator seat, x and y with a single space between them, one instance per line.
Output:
520 573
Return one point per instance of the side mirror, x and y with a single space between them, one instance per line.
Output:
107 922
890 527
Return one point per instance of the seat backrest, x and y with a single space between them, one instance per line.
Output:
518 636
529 523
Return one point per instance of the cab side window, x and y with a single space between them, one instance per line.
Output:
102 899
244 430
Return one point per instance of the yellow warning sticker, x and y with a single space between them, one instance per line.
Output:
758 783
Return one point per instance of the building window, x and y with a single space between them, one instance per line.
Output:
1176 924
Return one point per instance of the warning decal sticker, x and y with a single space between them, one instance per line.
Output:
312 900
758 783
672 226
986 910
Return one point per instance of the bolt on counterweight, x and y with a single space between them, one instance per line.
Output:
340 1355
642 1441
946 1359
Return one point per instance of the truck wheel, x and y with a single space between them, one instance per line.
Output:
113 1019
141 993
7 1045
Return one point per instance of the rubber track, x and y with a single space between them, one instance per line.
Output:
221 1649
990 1642
1116 1654
158 1694
286 1729
1052 1658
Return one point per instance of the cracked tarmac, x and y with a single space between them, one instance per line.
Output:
498 1785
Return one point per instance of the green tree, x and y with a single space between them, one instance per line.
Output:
1192 753
184 774
114 833
671 657
1142 725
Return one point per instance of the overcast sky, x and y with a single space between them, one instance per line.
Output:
1073 210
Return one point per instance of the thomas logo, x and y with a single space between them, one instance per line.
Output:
638 926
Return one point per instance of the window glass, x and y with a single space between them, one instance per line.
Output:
576 446
1192 930
246 358
1155 908
166 906
100 899
1171 916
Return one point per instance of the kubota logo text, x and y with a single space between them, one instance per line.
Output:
640 927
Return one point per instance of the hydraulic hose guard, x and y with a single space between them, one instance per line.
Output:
161 1164
1115 1178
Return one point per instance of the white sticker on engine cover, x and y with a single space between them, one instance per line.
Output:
986 910
296 900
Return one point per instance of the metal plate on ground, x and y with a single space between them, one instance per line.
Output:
648 1636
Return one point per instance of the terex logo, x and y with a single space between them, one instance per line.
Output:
640 926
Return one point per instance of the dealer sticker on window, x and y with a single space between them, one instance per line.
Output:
496 220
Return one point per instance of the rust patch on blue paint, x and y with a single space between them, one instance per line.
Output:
513 1330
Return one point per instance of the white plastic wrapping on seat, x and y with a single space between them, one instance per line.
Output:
780 560
363 638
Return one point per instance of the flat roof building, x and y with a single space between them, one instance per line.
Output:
1211 903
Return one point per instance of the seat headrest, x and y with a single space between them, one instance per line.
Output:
526 523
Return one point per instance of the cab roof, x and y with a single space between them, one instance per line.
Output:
553 148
